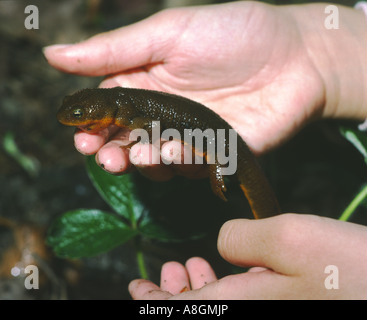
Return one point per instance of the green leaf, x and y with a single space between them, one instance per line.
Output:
357 138
132 195
175 210
84 233
117 191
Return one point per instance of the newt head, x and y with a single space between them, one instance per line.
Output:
88 109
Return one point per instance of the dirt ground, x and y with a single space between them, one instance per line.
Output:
316 172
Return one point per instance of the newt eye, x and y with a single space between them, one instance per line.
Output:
78 113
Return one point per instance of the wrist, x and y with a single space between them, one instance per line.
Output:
340 56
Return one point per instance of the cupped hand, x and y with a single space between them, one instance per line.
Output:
292 257
175 279
245 60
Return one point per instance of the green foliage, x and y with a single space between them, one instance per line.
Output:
84 233
173 211
178 210
359 141
357 138
117 191
30 164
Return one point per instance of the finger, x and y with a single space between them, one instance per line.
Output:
257 269
251 285
174 278
88 144
146 290
236 243
146 158
113 158
111 52
183 160
252 243
200 272
273 243
245 286
176 152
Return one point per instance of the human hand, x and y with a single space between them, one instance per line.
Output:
243 60
265 69
288 253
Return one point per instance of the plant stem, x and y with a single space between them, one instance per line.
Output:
140 259
28 163
354 204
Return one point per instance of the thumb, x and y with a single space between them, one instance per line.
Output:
143 43
274 243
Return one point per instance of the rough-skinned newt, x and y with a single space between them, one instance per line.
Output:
95 109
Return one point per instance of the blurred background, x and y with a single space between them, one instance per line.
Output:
43 176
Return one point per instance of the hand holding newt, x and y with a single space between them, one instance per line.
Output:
267 71
255 67
93 110
266 98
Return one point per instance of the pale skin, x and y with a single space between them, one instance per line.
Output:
268 71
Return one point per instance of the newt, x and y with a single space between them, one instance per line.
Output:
95 109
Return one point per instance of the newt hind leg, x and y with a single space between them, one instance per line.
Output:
217 181
139 123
